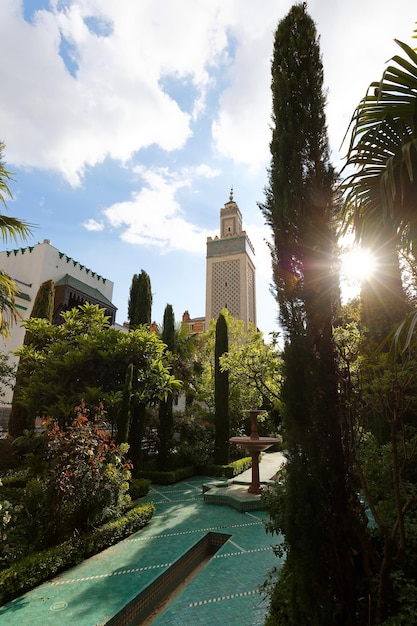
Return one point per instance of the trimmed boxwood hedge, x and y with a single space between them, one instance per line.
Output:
228 471
139 488
35 569
168 478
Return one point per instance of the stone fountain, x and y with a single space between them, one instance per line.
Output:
254 445
235 492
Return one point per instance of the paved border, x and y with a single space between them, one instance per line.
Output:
225 591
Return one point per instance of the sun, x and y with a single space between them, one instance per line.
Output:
358 264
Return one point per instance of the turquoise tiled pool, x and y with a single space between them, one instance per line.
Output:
224 591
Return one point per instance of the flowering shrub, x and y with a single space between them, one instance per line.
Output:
80 481
88 481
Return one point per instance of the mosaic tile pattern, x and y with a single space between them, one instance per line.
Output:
224 591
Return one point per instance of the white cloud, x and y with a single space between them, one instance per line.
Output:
113 102
154 217
93 225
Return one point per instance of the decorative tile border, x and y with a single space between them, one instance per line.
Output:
133 570
221 556
145 602
230 596
193 531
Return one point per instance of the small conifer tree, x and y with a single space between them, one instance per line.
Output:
140 300
166 419
221 395
43 307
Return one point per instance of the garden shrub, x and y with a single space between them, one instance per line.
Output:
168 478
37 568
89 482
8 456
184 472
195 445
86 485
139 488
228 471
15 482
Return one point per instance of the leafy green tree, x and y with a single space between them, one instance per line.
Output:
166 418
254 372
63 362
318 582
10 228
43 308
221 395
126 408
140 300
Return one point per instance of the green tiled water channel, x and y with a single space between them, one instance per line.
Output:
224 591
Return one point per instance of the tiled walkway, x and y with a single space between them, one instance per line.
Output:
225 590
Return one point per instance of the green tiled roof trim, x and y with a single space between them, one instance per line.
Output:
61 256
21 250
23 296
82 267
86 289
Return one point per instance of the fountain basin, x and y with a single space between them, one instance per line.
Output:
255 445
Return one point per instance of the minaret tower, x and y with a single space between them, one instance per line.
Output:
230 278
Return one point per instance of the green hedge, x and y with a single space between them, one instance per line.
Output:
17 482
168 478
42 566
139 488
228 471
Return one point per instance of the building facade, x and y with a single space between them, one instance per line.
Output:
75 284
230 269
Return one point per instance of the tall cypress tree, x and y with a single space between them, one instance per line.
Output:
140 300
317 582
43 307
221 395
139 313
166 419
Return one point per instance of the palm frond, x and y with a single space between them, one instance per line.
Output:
383 149
14 229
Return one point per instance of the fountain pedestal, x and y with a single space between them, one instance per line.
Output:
254 445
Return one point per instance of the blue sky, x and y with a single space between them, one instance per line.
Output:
126 124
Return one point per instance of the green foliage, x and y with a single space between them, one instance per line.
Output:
82 482
254 369
382 191
140 301
63 361
195 442
89 482
166 419
126 407
37 568
221 395
7 373
10 228
44 302
8 311
168 478
300 207
228 471
139 488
